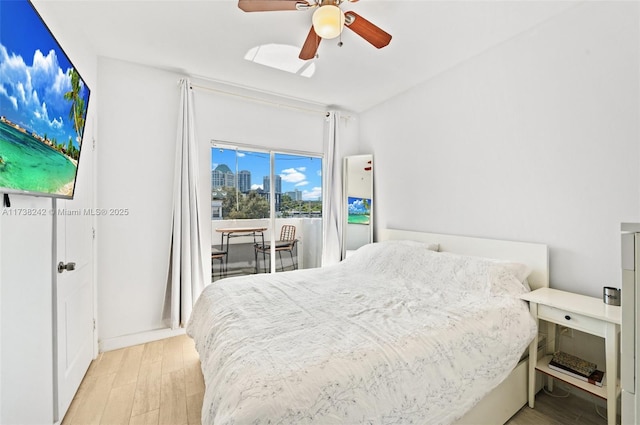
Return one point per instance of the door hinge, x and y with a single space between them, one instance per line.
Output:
94 143
93 232
94 324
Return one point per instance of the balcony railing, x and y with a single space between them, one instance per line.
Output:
241 253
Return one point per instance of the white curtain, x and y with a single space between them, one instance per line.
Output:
186 272
332 202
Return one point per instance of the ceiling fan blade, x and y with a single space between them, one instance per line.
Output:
365 29
270 5
310 46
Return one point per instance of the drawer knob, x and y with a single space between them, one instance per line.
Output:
567 317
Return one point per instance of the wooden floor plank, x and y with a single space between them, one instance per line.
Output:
149 418
147 396
117 411
107 363
153 351
172 358
90 406
554 409
173 399
129 366
194 408
194 380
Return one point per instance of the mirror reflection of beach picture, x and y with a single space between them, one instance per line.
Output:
359 210
43 106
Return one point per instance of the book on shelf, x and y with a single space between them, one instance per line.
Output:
596 377
573 364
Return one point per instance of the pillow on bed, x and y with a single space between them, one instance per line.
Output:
400 246
417 262
394 247
413 244
509 278
391 256
481 275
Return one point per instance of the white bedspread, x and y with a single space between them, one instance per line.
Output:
395 334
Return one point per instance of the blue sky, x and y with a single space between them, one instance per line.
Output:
297 172
33 74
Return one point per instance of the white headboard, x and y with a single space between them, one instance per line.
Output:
535 255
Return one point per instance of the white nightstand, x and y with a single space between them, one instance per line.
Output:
586 314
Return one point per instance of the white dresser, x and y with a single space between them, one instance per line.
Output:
629 362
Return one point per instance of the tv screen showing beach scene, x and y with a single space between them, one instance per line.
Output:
359 210
43 107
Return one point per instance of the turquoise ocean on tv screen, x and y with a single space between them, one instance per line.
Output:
28 164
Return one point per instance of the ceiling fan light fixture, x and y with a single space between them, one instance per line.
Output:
328 21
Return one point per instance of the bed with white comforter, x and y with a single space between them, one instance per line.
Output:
395 334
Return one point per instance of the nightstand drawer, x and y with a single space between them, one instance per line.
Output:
572 320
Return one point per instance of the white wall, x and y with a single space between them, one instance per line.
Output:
536 139
26 365
136 148
135 151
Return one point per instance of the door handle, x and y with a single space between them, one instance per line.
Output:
68 267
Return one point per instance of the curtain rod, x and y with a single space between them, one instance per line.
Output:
268 102
226 144
258 100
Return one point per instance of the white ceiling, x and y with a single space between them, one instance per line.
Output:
209 38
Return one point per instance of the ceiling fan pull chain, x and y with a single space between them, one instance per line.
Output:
340 36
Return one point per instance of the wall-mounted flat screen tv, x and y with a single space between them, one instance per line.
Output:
43 107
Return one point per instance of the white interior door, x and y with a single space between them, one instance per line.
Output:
74 289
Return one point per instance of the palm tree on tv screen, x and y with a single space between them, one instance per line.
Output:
77 111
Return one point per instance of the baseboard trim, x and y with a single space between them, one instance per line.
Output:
124 341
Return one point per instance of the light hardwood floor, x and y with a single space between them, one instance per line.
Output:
549 410
161 383
155 383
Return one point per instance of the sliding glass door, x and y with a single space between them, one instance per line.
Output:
266 210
